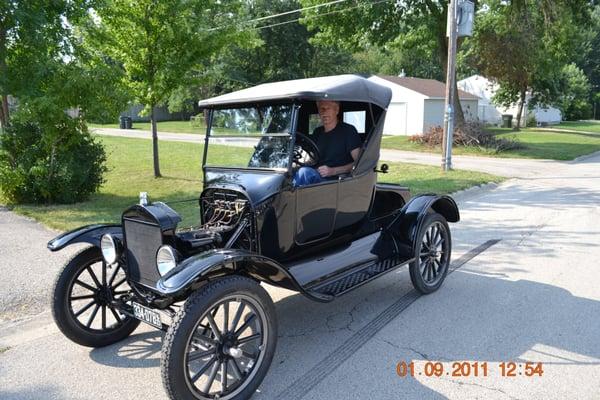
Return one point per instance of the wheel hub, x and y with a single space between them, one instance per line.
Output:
434 254
226 346
103 296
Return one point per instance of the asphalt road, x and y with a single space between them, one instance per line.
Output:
533 296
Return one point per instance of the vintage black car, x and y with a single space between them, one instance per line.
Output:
202 284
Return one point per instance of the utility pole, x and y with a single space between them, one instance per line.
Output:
450 75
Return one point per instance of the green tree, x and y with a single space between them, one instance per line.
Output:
588 55
283 50
523 47
357 22
158 44
575 94
31 34
47 155
407 53
421 23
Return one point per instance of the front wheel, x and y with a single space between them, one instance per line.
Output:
83 301
221 342
433 246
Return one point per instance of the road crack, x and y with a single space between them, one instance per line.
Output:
493 389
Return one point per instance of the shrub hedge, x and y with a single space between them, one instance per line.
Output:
50 163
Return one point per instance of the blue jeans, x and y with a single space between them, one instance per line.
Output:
306 176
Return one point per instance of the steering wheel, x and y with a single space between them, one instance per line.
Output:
306 152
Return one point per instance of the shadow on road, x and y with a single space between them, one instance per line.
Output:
37 392
491 319
141 350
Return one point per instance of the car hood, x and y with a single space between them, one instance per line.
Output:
257 185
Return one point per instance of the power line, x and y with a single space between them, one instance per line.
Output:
250 21
320 15
296 11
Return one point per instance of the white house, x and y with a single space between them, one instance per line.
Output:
489 113
418 104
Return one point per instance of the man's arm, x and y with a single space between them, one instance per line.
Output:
326 171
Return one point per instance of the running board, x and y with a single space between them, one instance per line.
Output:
339 285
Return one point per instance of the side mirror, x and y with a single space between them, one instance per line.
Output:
384 169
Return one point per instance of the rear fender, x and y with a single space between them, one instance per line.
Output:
220 262
401 233
86 234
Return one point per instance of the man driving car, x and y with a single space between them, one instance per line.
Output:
338 143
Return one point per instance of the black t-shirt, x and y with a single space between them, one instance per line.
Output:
335 146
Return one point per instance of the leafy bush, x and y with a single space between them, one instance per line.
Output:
470 134
531 121
50 163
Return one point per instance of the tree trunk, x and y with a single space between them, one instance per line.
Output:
154 143
2 119
459 117
4 113
521 106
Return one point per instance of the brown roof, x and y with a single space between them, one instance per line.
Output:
427 87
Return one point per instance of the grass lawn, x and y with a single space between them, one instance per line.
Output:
130 164
538 144
164 126
578 126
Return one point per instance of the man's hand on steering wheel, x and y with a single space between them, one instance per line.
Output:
306 152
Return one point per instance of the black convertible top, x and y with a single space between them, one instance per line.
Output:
338 87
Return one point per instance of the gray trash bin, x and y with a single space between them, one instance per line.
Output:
125 122
507 120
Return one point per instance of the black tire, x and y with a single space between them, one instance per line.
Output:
80 301
433 247
192 335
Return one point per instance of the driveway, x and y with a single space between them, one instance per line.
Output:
524 288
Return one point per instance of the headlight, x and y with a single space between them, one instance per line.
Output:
108 245
166 259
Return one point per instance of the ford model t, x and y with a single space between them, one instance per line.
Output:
202 284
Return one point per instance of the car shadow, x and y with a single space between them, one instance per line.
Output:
35 392
528 321
487 328
140 350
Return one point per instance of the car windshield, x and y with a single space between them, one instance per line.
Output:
250 137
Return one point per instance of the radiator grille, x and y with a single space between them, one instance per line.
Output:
142 240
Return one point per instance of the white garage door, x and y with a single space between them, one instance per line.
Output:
395 119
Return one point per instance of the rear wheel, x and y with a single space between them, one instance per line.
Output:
221 342
432 251
83 301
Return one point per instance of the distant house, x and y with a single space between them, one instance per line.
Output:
418 104
489 113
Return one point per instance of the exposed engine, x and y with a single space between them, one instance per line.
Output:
226 222
222 210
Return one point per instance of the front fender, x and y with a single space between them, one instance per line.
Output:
86 234
400 234
221 262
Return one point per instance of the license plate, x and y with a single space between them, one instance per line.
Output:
147 315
